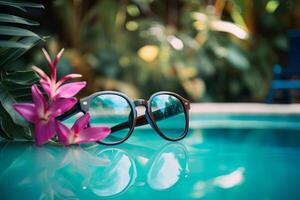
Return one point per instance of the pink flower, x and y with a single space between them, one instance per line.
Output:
43 115
56 89
79 134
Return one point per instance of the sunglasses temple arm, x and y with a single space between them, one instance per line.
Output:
142 120
73 111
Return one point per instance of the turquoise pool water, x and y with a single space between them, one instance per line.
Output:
223 157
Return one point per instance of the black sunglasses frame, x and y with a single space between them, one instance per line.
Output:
83 105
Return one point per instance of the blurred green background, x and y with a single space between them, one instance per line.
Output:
221 51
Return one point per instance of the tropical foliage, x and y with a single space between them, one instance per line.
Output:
220 50
223 51
15 86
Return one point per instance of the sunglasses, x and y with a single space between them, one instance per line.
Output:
166 112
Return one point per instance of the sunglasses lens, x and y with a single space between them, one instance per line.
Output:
112 110
169 115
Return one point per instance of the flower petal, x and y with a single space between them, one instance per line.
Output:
49 61
38 100
41 73
44 131
63 133
70 89
57 58
46 86
61 105
52 66
27 110
67 77
81 123
92 134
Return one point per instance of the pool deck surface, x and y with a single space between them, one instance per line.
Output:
244 108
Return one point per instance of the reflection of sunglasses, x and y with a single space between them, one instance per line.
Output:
166 112
90 172
126 170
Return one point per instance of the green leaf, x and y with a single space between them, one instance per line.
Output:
9 84
2 133
21 77
15 19
21 5
15 31
10 129
13 54
15 87
21 39
237 59
12 44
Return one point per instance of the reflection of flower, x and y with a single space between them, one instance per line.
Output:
79 134
42 115
43 164
81 163
49 168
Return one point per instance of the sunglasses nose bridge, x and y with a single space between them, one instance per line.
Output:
140 102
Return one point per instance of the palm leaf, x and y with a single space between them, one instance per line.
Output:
12 130
15 86
13 54
18 20
15 31
21 5
21 39
13 44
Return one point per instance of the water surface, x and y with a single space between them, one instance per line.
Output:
211 163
